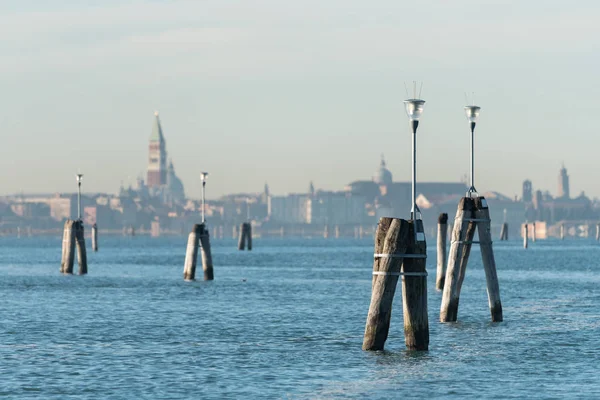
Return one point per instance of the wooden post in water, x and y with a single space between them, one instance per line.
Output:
482 215
249 235
337 231
504 232
442 235
242 238
562 231
414 290
533 232
68 248
326 232
394 240
597 232
81 251
235 232
207 263
526 236
460 248
191 255
95 237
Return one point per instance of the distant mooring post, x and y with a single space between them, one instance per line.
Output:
533 232
562 231
442 236
597 232
526 235
95 237
245 239
73 236
400 251
472 214
199 239
504 230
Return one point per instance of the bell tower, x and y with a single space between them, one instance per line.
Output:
157 155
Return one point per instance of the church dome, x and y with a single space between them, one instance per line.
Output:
383 176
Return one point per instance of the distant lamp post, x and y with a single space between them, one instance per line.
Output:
414 110
472 113
203 176
79 179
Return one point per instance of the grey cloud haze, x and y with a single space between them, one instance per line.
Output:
307 90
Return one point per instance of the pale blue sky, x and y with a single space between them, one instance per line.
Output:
305 90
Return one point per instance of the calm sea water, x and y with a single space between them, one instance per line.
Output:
286 321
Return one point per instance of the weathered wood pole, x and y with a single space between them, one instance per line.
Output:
95 237
81 251
526 236
533 232
235 233
414 291
504 232
392 237
326 232
68 248
460 248
337 231
597 232
482 215
562 231
191 254
249 235
442 236
361 232
207 263
242 238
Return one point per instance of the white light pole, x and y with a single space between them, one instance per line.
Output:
79 177
472 113
203 176
414 109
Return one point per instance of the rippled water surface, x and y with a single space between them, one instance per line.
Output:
286 321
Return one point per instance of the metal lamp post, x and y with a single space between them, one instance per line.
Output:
203 176
414 109
472 113
79 178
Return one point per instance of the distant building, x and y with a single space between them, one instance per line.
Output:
161 177
563 184
157 156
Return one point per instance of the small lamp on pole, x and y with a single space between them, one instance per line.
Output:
203 176
79 179
472 113
414 110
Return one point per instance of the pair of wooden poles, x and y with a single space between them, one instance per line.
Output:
198 239
73 237
399 253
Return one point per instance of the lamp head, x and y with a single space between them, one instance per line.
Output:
472 113
414 108
203 176
79 177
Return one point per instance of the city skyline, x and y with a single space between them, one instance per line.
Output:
288 94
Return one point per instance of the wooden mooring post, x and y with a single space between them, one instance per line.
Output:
472 214
398 253
526 236
597 232
442 236
198 239
562 231
95 237
81 251
504 232
68 248
245 239
533 232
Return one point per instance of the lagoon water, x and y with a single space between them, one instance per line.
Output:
286 321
